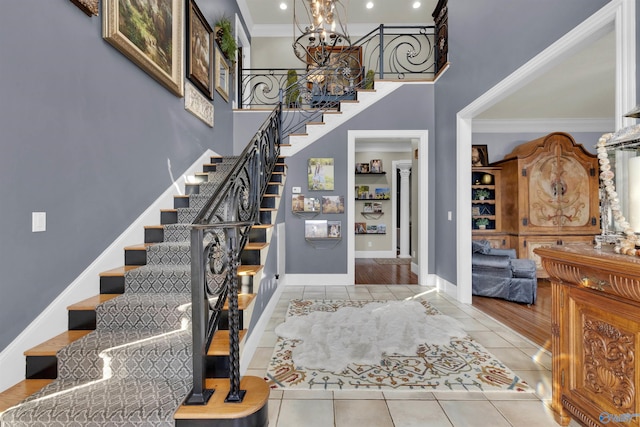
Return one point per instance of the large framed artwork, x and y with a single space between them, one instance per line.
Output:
199 50
149 33
222 75
90 7
320 173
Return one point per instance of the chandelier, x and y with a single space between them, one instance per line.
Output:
319 29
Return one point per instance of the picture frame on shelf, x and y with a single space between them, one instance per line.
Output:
372 229
297 203
361 227
334 229
382 193
368 207
362 192
479 155
382 228
311 204
377 207
200 44
222 74
158 52
320 174
315 228
332 204
376 166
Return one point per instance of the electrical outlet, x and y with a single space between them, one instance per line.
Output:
369 244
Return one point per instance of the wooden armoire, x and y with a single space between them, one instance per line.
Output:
552 187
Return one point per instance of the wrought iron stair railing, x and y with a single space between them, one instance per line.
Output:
218 235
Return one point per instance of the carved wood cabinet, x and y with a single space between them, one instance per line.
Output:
552 183
595 335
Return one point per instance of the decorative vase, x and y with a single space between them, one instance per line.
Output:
487 179
482 227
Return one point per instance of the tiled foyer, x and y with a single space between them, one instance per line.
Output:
311 408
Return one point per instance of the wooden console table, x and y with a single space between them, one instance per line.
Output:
595 332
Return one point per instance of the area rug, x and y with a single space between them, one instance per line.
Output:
443 356
396 261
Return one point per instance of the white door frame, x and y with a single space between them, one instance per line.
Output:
619 14
422 138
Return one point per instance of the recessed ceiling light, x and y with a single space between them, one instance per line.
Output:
416 5
370 5
283 6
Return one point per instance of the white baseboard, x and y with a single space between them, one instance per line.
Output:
253 341
54 319
318 280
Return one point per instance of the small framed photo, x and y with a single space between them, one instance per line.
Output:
364 168
199 50
332 204
222 74
311 204
383 193
315 229
368 207
361 227
297 203
479 155
376 166
334 229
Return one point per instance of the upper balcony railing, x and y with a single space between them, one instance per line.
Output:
387 52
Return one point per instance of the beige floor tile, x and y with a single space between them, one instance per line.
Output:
510 395
261 358
274 411
358 394
307 413
490 339
307 394
526 413
516 339
473 414
539 379
409 395
459 395
515 358
541 357
351 413
268 339
413 413
470 325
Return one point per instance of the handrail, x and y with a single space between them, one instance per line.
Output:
218 235
391 52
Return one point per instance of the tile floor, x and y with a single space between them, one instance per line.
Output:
319 408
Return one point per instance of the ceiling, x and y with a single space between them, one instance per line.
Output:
581 87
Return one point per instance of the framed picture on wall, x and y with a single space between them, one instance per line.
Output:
320 173
479 155
332 204
222 74
199 50
150 34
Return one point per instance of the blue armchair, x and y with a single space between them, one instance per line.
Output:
498 273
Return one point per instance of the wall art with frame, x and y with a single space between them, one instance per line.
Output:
320 173
150 34
199 50
222 74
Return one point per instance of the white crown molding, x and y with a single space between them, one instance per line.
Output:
601 125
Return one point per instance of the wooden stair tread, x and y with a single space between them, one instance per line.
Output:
254 246
271 209
139 247
168 210
244 300
262 226
315 123
16 394
92 302
154 227
249 270
220 343
118 271
256 398
51 346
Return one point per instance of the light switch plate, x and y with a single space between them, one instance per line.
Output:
38 221
296 190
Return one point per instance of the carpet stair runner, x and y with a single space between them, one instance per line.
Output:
126 359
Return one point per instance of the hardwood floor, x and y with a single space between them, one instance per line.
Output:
534 321
369 272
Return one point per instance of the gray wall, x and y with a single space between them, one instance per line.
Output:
488 40
86 137
416 104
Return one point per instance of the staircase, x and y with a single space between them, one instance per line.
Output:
126 358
